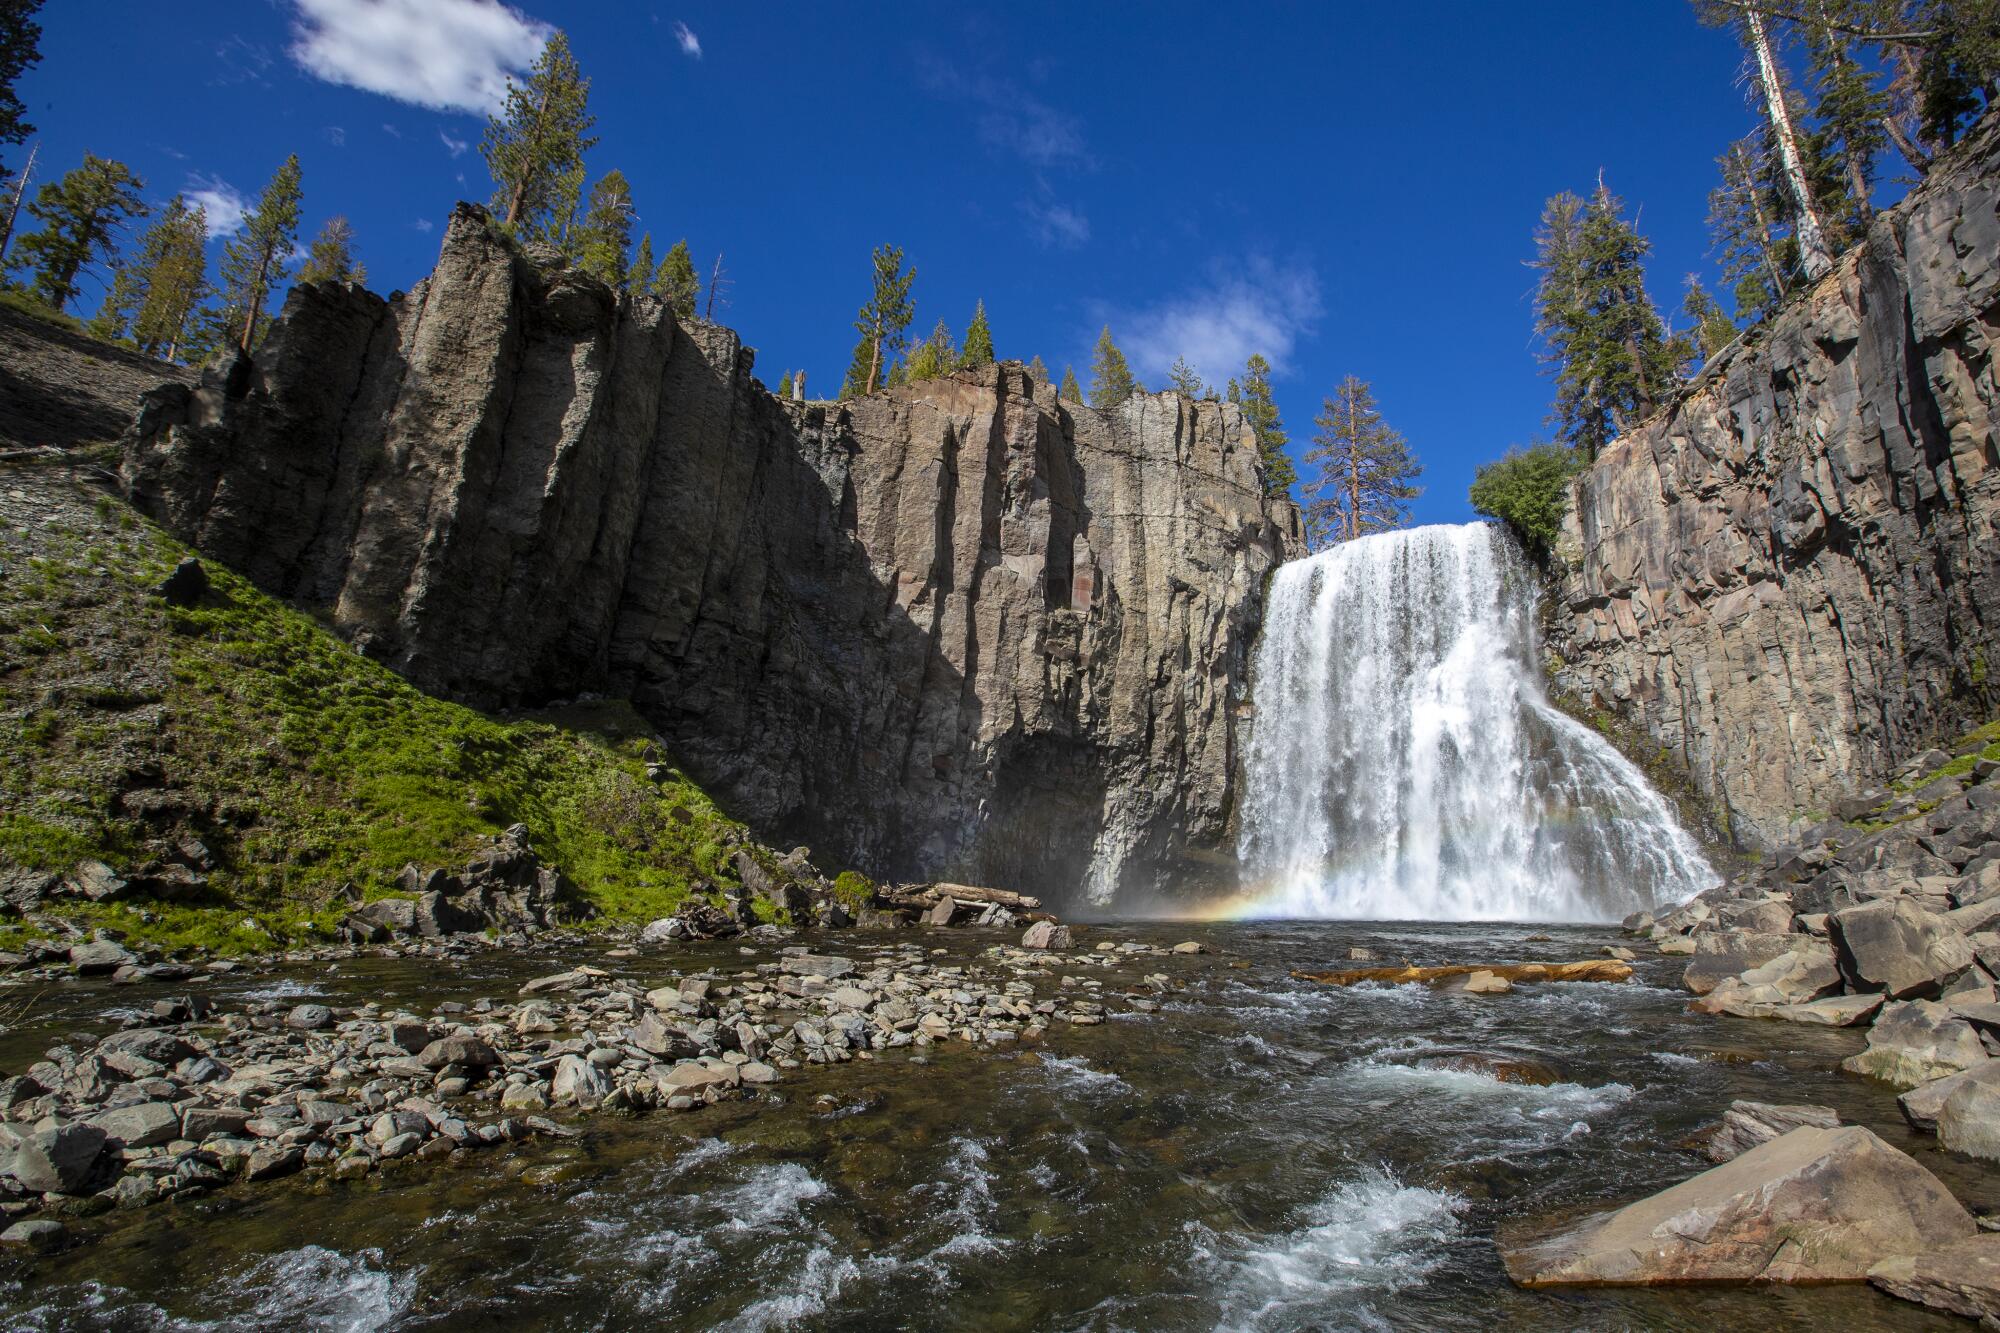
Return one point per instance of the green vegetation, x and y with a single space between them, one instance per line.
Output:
331 256
302 765
1261 410
535 146
853 890
257 259
1111 381
883 323
1528 490
81 216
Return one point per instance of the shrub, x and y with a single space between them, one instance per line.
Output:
1528 490
853 890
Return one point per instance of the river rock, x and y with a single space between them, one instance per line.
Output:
1813 1205
40 1234
310 1018
1968 1119
1894 946
458 1049
1962 1277
579 1082
942 913
1747 1124
827 967
62 1159
1917 1041
146 1125
1047 935
1835 1011
98 957
1722 954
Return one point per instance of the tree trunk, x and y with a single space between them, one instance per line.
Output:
520 194
256 302
1812 237
874 362
1915 156
1764 247
14 208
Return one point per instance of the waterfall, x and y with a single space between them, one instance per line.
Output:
1404 762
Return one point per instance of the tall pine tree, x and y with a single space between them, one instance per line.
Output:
676 283
1260 409
1365 474
81 216
331 256
20 48
978 340
883 322
1713 328
256 260
1758 262
535 146
1111 381
1184 378
1039 370
639 277
606 241
173 264
1070 388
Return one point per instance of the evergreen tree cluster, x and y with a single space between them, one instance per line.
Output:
883 356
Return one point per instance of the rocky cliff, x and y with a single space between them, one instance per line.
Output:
957 628
1791 579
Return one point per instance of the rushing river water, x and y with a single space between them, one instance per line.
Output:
1260 1153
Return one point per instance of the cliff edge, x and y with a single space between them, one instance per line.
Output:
959 628
1791 579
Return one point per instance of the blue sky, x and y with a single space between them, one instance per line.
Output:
1349 188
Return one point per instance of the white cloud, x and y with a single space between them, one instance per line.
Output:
1010 118
1247 306
423 225
690 44
1057 224
223 203
453 146
448 55
337 136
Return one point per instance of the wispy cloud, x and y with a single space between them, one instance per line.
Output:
224 204
337 136
424 225
242 61
1245 306
1009 118
690 44
1057 224
448 55
455 147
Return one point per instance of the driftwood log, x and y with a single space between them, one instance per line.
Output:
927 895
1602 969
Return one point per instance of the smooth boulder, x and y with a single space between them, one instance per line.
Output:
1962 1277
1915 1042
1814 1205
1968 1120
1896 947
62 1159
1745 1125
1046 935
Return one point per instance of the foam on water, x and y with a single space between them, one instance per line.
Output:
1073 1073
1370 1235
1407 765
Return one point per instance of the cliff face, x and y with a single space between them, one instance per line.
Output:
958 628
1792 579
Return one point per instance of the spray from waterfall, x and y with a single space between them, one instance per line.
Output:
1405 763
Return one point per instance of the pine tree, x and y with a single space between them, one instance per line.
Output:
254 263
676 283
1070 388
535 146
560 226
1814 253
1852 115
331 256
1602 335
978 340
1260 409
934 356
1756 263
1111 381
785 385
121 300
20 48
1184 378
605 244
639 277
1713 328
81 215
883 321
173 261
1039 370
1365 471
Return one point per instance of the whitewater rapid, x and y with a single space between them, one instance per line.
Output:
1405 763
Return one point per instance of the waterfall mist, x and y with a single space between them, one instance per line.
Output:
1405 763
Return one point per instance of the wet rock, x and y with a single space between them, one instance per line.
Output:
1814 1205
1190 946
272 1161
1479 981
1917 1041
1747 1124
1838 1011
310 1018
1638 923
1500 1068
1676 944
825 966
153 1044
1894 946
43 1235
62 1159
99 957
1962 1277
1047 935
579 1082
458 1049
1719 955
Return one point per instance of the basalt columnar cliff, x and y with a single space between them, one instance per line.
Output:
955 628
1791 579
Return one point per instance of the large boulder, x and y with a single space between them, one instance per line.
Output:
1894 946
1046 935
62 1159
1968 1121
1962 1277
1815 1205
1745 1125
1721 954
1915 1042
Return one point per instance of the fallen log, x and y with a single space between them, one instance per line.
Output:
1596 969
927 895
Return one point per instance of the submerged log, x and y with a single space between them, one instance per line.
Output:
1595 969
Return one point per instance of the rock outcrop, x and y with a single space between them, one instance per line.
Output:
956 628
1790 579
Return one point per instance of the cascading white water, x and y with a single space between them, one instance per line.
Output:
1405 763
